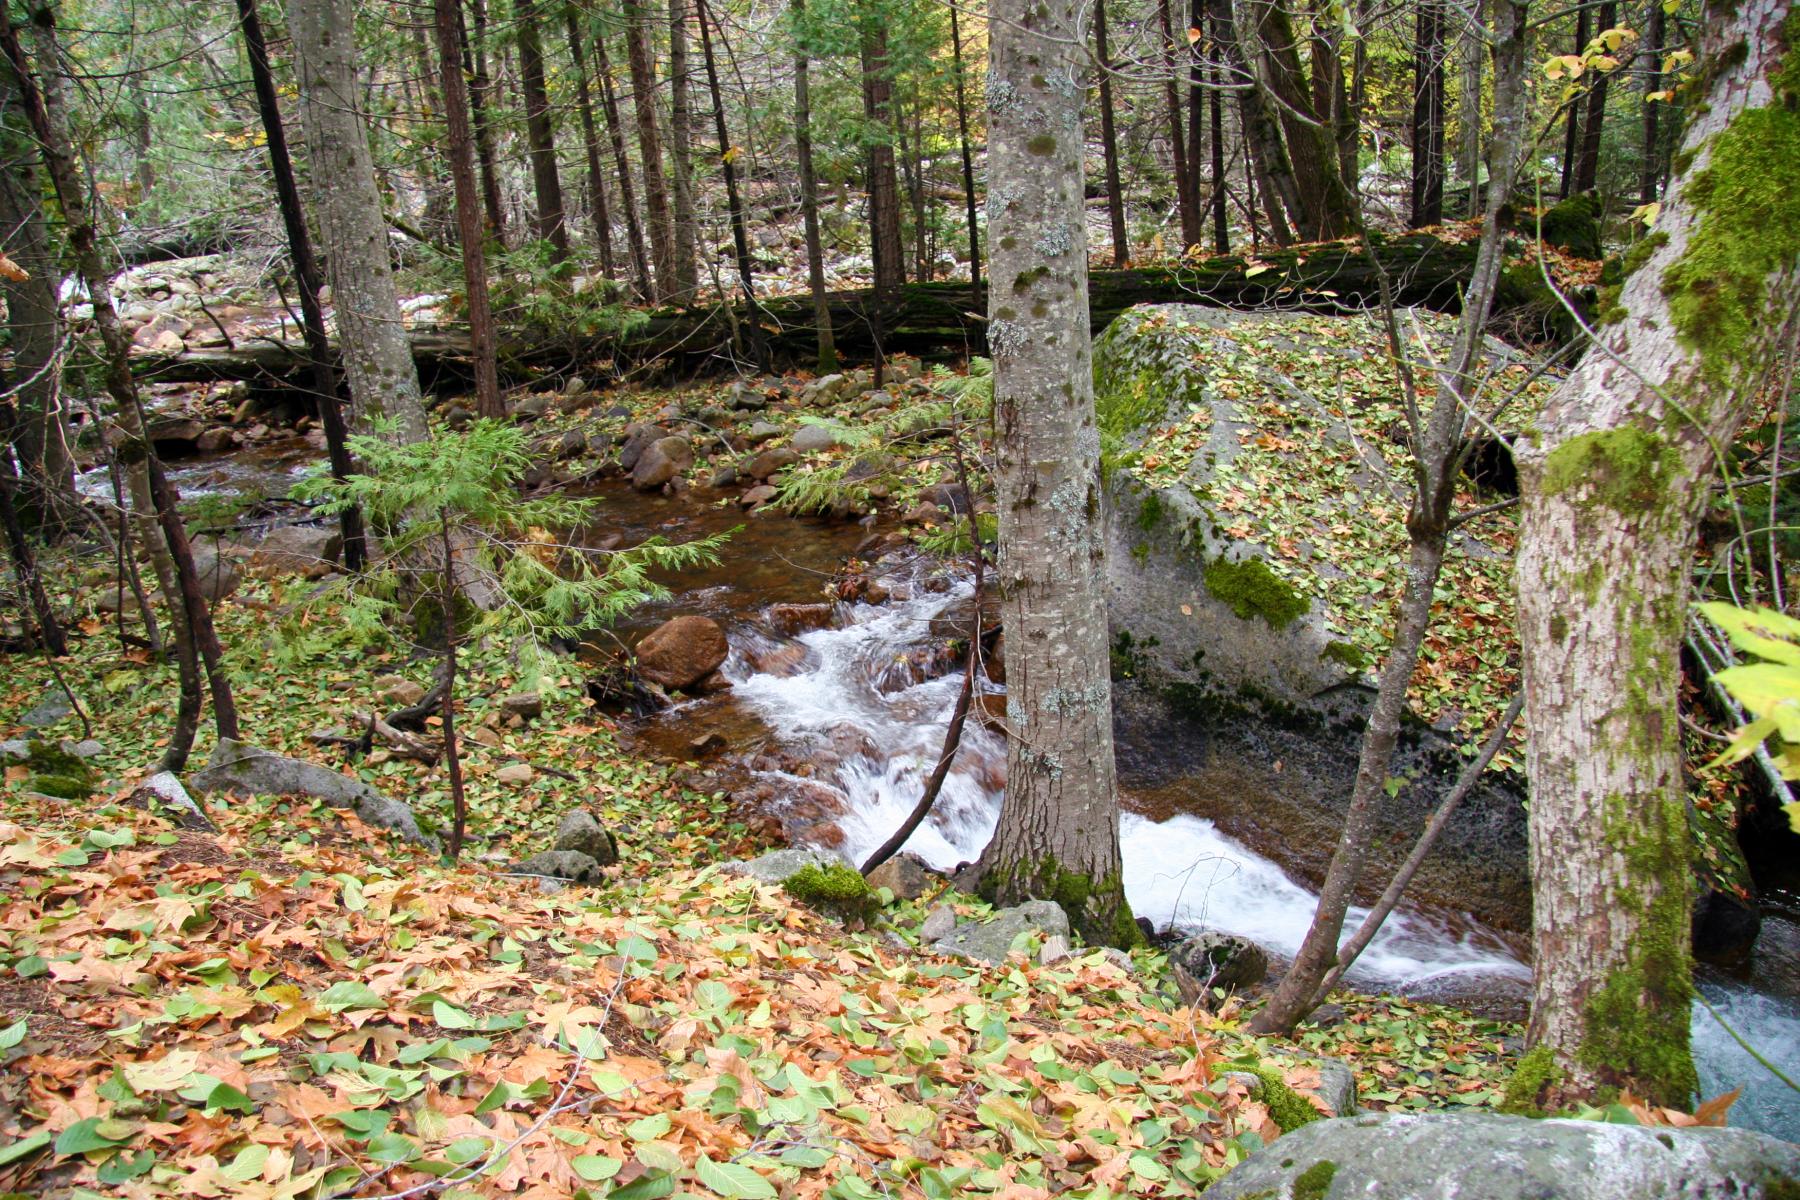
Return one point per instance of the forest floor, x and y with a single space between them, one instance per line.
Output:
296 1005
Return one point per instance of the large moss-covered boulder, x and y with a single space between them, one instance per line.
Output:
1441 1156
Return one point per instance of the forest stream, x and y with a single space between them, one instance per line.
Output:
841 716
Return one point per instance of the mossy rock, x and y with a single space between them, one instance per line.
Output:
1573 225
837 888
56 772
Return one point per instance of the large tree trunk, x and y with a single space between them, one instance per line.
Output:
599 210
540 134
1174 53
1572 135
885 246
377 358
1109 143
461 148
681 156
1058 836
306 273
1612 486
656 188
615 133
33 325
1428 114
809 190
1650 176
1468 154
1324 206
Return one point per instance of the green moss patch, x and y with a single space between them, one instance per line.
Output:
1250 589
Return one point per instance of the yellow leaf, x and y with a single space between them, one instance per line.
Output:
12 270
164 1074
730 155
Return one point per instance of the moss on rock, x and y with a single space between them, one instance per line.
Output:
1250 589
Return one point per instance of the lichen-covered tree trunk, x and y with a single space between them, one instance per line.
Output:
1612 486
377 358
1058 836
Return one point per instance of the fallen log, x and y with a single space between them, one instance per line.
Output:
929 319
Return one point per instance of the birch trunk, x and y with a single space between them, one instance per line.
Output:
1612 486
377 358
1058 836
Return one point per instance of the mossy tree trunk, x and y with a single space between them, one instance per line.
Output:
1058 836
1612 486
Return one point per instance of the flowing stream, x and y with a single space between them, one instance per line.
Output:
847 707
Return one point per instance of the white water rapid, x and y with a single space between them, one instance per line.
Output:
845 691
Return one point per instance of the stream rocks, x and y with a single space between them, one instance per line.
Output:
660 462
310 550
1457 1156
681 652
1212 959
580 832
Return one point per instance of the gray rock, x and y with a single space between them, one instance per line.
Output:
1054 950
660 462
827 389
906 875
1337 1087
218 573
576 386
164 790
572 444
760 494
236 767
561 864
15 750
939 923
724 477
579 831
1456 1156
48 711
809 439
988 942
761 432
779 865
310 550
529 705
531 408
747 395
1221 960
88 748
215 440
638 438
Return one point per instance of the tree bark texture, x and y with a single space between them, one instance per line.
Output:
1587 163
883 184
615 133
377 359
1428 114
461 148
809 190
1612 486
306 273
968 157
1058 836
681 155
598 209
1109 143
656 187
540 134
481 93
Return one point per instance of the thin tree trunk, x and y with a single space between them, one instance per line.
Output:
1650 177
1219 18
656 188
1428 114
461 147
540 134
1587 164
34 328
681 156
459 805
1322 206
1058 834
968 157
1193 218
1613 485
1469 146
18 547
306 274
590 141
377 356
152 497
615 132
1186 173
1109 143
1572 137
884 189
1266 155
809 187
740 235
1437 463
480 110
